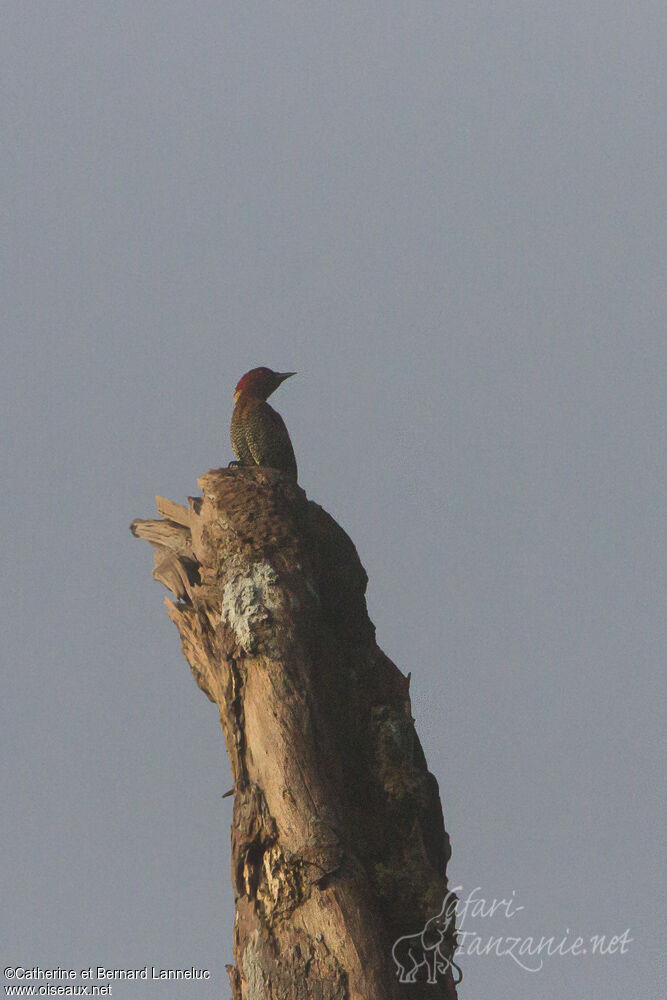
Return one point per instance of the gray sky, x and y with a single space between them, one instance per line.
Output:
450 220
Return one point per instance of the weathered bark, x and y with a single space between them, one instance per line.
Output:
338 841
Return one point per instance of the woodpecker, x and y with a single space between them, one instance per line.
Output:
258 433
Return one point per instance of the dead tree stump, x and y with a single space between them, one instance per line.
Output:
338 842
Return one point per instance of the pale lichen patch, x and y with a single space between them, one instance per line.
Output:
248 601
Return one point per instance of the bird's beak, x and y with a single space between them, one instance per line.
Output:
283 375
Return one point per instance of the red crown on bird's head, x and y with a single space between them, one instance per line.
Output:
260 382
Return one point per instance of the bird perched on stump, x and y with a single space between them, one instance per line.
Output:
258 433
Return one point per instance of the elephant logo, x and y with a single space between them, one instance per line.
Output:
433 947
